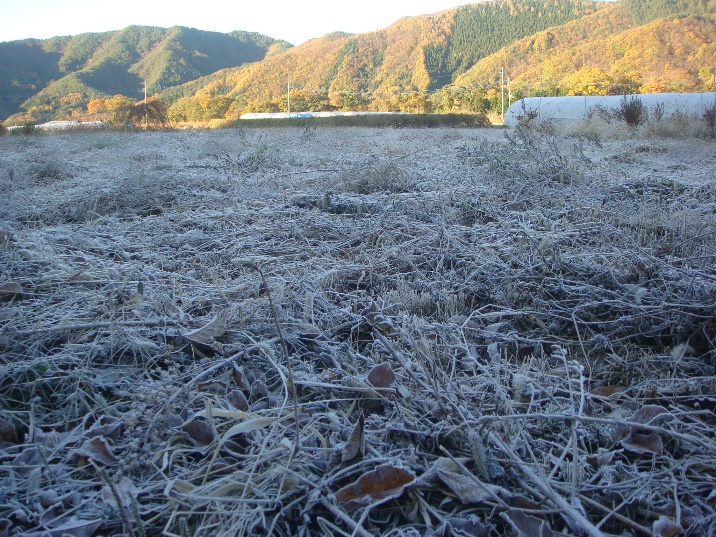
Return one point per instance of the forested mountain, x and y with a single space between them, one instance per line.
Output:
606 54
645 11
453 61
385 69
445 62
57 77
479 30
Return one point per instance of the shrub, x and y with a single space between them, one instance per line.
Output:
3 129
27 128
45 172
370 177
599 113
538 154
709 118
153 113
221 123
526 118
680 125
632 111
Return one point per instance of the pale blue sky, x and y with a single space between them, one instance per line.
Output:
292 20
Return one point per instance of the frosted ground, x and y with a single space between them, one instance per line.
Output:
489 332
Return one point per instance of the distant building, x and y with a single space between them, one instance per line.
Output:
570 109
63 125
284 115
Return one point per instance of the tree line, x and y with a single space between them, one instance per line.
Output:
487 99
483 29
643 12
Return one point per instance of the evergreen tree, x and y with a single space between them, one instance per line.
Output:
645 11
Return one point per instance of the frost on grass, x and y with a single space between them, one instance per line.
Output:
488 333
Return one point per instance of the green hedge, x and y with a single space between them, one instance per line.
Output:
378 120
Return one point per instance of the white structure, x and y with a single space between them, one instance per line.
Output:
576 108
64 125
284 115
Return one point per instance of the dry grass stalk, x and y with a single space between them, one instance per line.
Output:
542 301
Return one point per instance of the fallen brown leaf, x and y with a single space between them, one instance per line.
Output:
210 331
98 450
527 525
607 391
600 459
106 426
648 414
522 502
382 484
199 431
665 527
74 527
28 460
643 443
627 433
10 291
238 400
464 321
241 379
211 387
356 443
126 490
7 432
381 376
466 487
460 527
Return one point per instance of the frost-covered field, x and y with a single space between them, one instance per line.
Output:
357 332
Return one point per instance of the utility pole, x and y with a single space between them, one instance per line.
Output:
509 91
288 96
502 85
146 114
713 118
539 107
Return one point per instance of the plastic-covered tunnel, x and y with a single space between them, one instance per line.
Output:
570 109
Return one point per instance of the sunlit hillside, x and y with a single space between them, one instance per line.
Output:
56 78
604 53
454 61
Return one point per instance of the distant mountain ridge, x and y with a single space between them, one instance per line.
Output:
415 54
559 45
55 77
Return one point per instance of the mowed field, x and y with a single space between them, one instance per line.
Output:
353 331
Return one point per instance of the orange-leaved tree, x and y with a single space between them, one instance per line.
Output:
588 80
96 106
117 102
152 113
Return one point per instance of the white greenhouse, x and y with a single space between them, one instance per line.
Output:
569 109
284 115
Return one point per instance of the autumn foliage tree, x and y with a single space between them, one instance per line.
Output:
588 80
153 113
96 106
118 102
124 111
305 101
